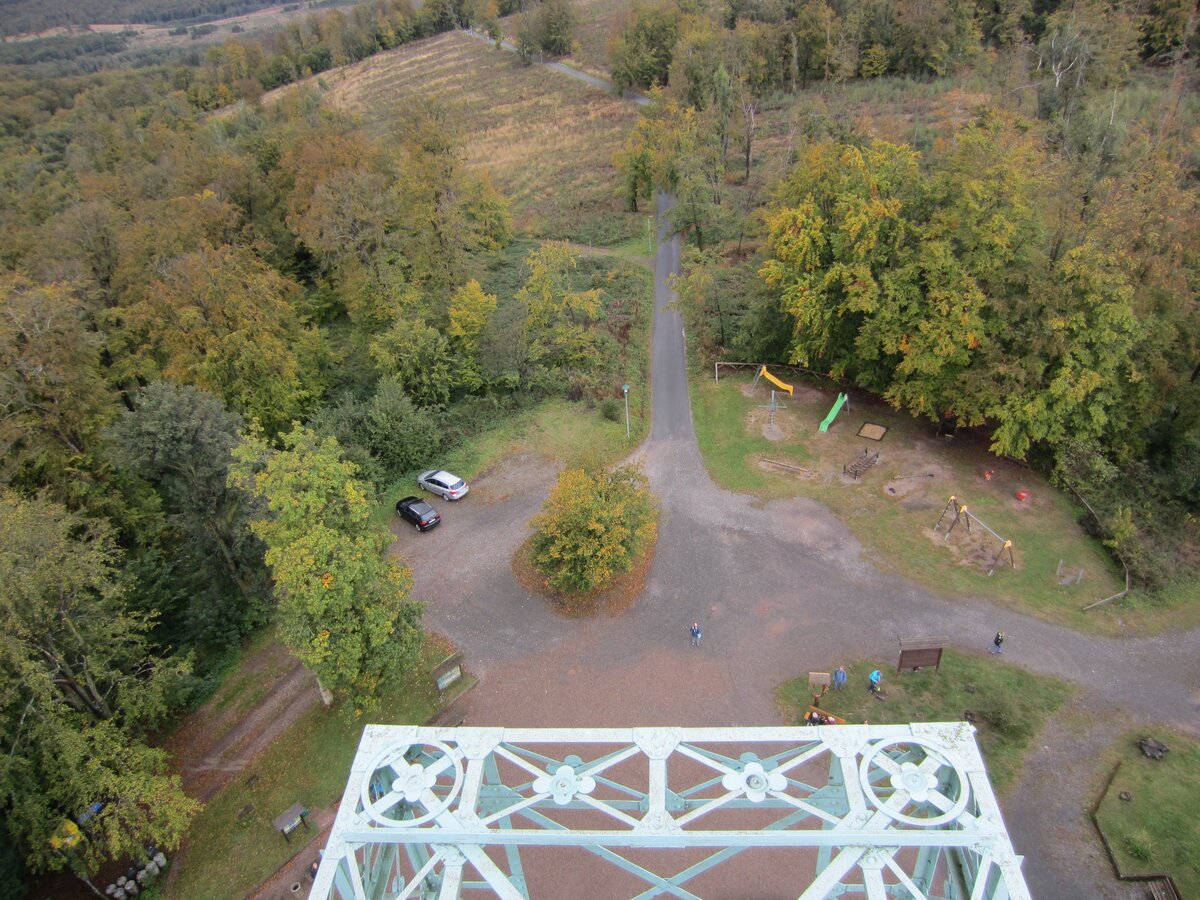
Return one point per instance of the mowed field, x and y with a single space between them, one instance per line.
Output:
547 141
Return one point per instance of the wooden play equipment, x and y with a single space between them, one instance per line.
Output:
872 432
961 514
835 720
860 464
818 684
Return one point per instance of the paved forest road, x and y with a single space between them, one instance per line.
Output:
781 588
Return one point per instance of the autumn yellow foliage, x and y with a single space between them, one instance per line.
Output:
592 527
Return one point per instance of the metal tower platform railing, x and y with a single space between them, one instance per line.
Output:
881 811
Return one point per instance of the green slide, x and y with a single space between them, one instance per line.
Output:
841 401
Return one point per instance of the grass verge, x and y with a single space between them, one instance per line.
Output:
230 853
893 507
1157 829
1010 705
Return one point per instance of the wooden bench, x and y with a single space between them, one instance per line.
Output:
836 719
451 717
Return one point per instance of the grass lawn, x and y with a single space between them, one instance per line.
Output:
892 509
547 140
309 764
1012 704
1157 830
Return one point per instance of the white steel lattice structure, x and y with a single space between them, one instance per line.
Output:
881 811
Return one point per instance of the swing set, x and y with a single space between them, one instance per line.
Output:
963 515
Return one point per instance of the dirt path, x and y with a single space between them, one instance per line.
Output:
220 739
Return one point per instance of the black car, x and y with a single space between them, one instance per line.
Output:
421 514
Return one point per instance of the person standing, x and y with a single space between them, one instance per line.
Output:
873 681
998 642
694 631
839 678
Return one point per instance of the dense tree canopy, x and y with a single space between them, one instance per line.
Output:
79 684
343 608
181 439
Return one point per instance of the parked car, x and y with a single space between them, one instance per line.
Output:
442 483
421 514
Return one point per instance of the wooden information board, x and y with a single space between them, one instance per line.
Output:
920 653
448 671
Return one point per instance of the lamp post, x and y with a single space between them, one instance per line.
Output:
625 391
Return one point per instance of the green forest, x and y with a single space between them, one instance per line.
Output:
230 324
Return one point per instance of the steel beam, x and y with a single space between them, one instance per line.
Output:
890 793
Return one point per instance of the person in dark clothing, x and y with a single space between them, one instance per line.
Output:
694 631
998 642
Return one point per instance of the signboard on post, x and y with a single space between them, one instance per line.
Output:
291 819
919 653
448 671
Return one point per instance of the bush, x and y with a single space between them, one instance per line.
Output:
1139 845
592 526
611 410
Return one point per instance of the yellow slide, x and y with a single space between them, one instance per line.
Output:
775 381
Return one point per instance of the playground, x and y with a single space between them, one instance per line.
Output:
891 492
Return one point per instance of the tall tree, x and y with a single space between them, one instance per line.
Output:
1074 376
181 439
838 231
641 54
592 526
556 311
52 392
344 606
78 684
470 310
555 22
223 320
420 358
446 213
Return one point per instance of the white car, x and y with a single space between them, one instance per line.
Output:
442 483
